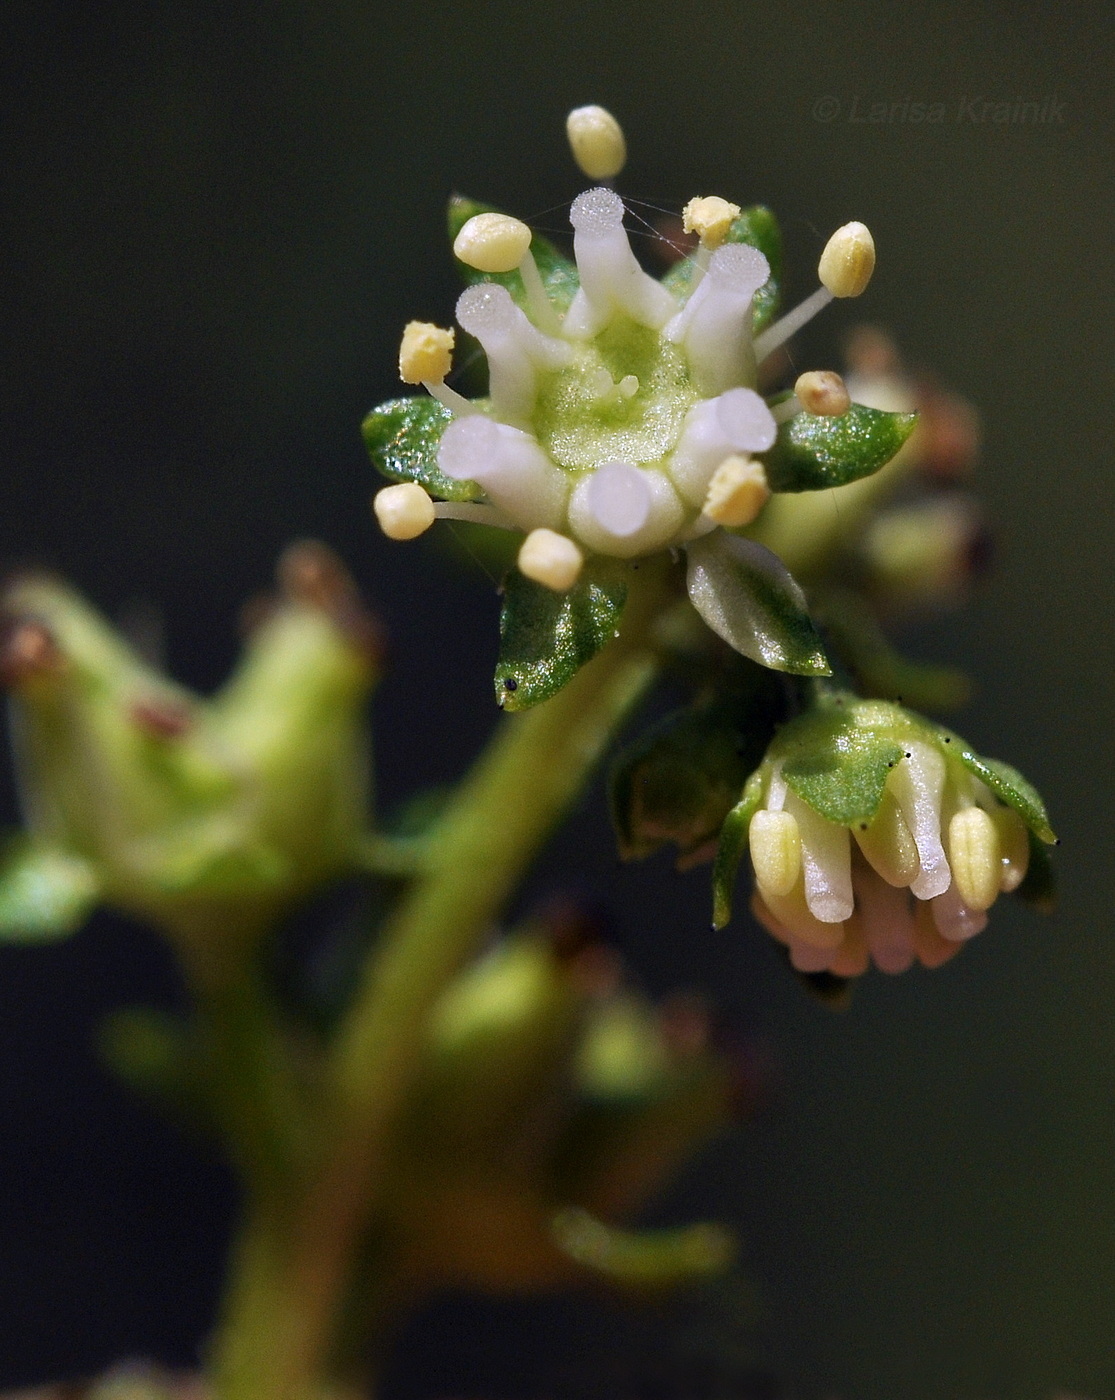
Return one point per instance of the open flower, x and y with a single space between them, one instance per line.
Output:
876 835
624 415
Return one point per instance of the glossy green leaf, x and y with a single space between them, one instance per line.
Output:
841 768
758 227
558 273
45 893
402 438
815 453
546 637
748 597
676 783
1009 786
733 843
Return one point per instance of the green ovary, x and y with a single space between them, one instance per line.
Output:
582 429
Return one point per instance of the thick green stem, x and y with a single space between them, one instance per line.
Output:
531 772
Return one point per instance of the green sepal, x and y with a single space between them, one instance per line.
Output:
814 453
1009 786
546 637
733 843
758 227
676 783
749 598
45 893
558 273
1039 887
402 437
841 769
643 1259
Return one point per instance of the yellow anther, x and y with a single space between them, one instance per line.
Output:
737 492
975 856
404 511
710 218
596 140
425 354
550 559
822 391
775 852
848 261
1014 847
492 242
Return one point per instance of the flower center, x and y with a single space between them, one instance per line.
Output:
622 397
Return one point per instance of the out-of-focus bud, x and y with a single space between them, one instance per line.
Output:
927 555
205 817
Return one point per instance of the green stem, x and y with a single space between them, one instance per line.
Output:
529 775
256 1100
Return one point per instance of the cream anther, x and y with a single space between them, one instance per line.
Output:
492 242
425 353
848 261
710 218
597 142
404 511
737 492
823 392
550 559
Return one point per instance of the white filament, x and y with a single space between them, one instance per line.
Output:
611 279
516 350
791 323
511 467
714 327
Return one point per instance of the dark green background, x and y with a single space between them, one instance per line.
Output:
218 218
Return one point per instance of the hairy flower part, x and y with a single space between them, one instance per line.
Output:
872 839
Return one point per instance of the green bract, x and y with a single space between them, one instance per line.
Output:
546 637
814 454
